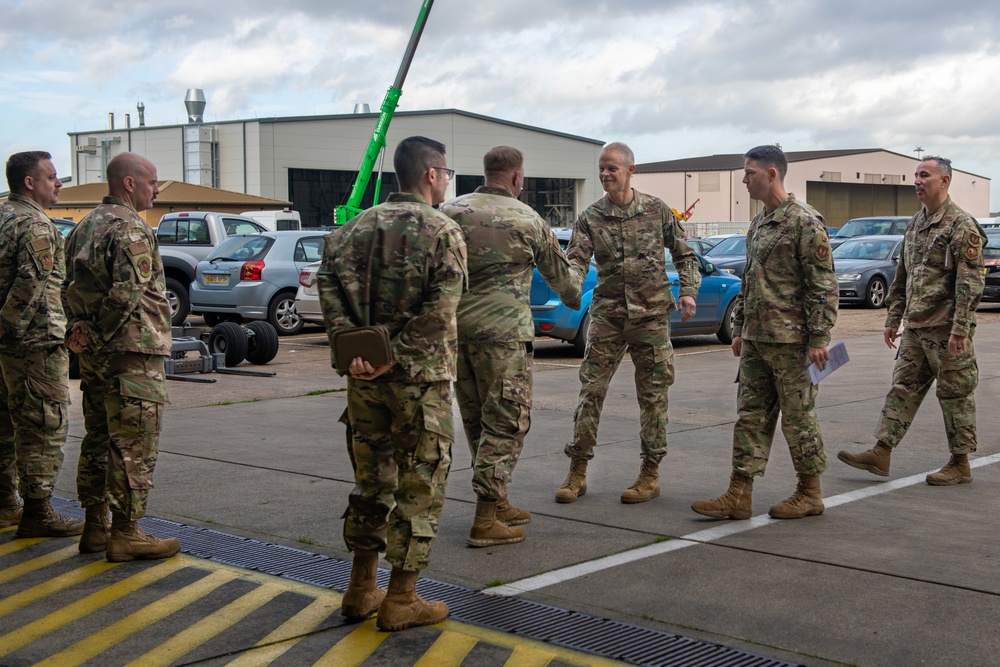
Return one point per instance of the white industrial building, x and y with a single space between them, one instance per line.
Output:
840 184
311 160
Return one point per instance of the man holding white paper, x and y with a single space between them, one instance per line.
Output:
784 312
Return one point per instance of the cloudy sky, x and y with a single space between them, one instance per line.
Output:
672 78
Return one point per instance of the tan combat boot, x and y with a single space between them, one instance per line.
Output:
40 520
646 486
956 471
874 460
96 529
735 503
128 542
576 482
402 608
363 596
10 511
487 531
806 501
510 515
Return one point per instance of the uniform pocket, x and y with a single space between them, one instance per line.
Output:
49 400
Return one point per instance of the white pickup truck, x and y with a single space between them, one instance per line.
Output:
186 238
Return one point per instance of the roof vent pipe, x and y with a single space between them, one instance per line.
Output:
194 102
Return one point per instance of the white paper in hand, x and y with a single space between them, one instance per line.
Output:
838 357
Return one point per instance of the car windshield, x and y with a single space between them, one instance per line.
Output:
864 248
734 245
992 248
242 249
864 227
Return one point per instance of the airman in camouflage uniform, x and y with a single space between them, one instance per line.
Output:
628 232
506 239
401 265
784 312
120 325
34 389
937 288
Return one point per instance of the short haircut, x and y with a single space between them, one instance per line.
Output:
769 156
127 164
22 165
623 150
502 160
943 164
414 156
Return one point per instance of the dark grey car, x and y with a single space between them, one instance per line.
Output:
865 267
876 225
730 255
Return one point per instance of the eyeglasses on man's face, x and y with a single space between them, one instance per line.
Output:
448 173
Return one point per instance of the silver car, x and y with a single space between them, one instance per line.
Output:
307 298
255 277
865 267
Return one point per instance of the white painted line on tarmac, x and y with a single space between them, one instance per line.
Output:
701 537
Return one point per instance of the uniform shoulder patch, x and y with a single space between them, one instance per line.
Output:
822 252
40 244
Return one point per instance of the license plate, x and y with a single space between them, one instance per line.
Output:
211 279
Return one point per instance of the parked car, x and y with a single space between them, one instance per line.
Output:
865 268
186 238
991 260
700 246
307 297
871 226
714 313
730 255
255 277
64 226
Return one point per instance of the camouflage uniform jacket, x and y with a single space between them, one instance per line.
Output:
416 258
506 239
115 282
789 292
32 271
628 244
940 277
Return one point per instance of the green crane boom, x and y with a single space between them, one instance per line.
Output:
376 145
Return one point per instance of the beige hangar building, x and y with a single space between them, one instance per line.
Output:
312 160
840 184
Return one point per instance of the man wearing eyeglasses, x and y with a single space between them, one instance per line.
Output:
627 232
506 240
400 265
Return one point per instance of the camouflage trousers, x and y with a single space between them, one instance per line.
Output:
648 344
923 358
34 418
493 388
773 378
123 398
401 437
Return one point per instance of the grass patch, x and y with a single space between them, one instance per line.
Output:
318 392
249 400
662 538
495 583
306 540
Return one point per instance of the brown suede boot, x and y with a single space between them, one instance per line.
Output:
96 529
402 608
10 511
874 460
575 484
646 486
40 520
956 471
127 542
363 596
487 531
510 515
735 503
806 501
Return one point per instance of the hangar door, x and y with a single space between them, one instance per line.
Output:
839 202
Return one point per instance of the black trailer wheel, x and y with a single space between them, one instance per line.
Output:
229 339
262 342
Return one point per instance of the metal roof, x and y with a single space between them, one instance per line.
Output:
172 193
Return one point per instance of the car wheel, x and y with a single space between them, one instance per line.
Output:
726 327
180 303
875 294
211 319
229 339
579 341
262 342
283 316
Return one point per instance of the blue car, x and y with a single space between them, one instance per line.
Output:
714 314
